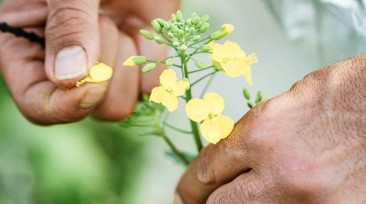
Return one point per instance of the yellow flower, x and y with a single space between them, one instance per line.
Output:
169 90
208 112
232 60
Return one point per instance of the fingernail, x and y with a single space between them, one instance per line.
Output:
92 97
70 63
177 199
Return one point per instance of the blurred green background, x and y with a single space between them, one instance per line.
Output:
98 162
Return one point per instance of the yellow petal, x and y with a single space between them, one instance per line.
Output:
99 72
211 130
217 128
234 67
227 125
247 74
218 53
197 110
170 102
168 78
129 62
181 87
233 48
157 94
215 102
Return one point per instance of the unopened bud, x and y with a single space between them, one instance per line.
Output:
205 18
246 94
205 48
179 15
204 27
149 67
169 61
200 65
156 26
147 34
159 40
196 38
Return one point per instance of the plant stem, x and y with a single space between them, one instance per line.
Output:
200 70
177 129
204 77
172 147
194 126
207 85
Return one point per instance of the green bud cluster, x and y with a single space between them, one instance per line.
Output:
178 31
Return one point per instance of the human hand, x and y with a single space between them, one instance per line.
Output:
307 145
78 34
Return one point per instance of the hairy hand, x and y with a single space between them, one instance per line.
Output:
78 34
307 145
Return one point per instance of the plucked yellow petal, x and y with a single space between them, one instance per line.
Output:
227 125
170 102
157 94
180 87
168 78
215 102
197 110
211 130
99 72
129 62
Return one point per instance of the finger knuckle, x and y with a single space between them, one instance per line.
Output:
67 22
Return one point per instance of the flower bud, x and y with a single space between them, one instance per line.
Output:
147 34
176 44
160 21
228 28
246 94
167 25
200 65
135 60
156 26
148 67
183 47
159 40
192 31
139 60
173 18
205 19
204 27
171 35
196 38
205 48
218 35
179 15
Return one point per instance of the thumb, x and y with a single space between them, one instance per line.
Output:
72 40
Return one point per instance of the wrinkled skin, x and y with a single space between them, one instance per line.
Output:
106 30
307 145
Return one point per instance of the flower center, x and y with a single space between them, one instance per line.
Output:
232 57
212 115
170 91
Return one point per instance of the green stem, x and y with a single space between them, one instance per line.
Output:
177 129
194 126
172 147
207 85
200 70
202 78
